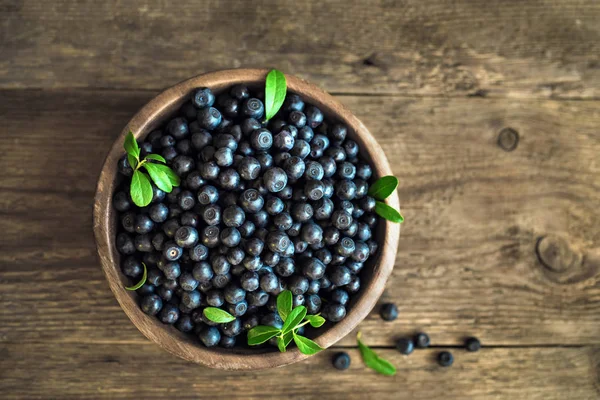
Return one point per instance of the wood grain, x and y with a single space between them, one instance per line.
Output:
480 48
467 263
144 371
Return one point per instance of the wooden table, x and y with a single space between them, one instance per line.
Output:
487 110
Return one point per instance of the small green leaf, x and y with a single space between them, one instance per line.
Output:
384 187
287 338
275 88
132 161
373 361
315 321
217 315
173 177
160 178
387 212
141 189
293 319
141 282
156 157
260 334
131 146
305 345
281 344
284 304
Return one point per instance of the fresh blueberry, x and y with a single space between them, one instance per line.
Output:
341 361
151 304
253 108
421 340
209 336
334 312
445 359
405 346
472 344
203 98
388 312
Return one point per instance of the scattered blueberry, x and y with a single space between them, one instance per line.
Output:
472 344
405 346
388 312
445 358
341 361
421 340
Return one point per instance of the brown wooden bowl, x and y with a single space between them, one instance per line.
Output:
374 275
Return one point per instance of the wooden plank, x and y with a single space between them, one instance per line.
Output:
127 371
490 48
467 263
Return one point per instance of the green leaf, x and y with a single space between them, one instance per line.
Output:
160 178
383 188
173 177
305 345
156 157
315 321
131 146
132 161
373 361
281 344
260 334
141 282
141 189
387 212
284 304
217 315
287 338
275 88
293 319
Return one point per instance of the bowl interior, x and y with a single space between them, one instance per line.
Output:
153 116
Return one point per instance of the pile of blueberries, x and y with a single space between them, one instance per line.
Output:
262 207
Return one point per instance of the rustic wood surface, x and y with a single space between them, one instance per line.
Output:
487 111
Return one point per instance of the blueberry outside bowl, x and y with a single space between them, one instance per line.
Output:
374 275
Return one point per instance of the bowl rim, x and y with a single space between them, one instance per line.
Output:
156 110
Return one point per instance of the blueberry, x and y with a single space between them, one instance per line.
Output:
472 344
167 141
253 108
311 233
328 188
272 319
247 229
354 266
250 321
361 252
270 259
297 284
269 282
333 312
159 212
354 285
215 298
187 281
338 132
232 328
169 314
186 237
143 243
265 160
209 118
284 141
297 118
220 281
314 190
260 218
234 294
294 167
210 236
211 214
372 246
314 116
313 268
239 309
341 219
314 170
203 98
171 270
131 267
178 128
249 281
275 179
294 229
300 245
345 189
143 223
351 148
370 219
338 259
337 153
388 312
151 304
445 359
340 275
274 205
339 296
125 244
302 212
128 220
158 241
207 154
185 323
230 237
251 200
312 302
257 298
324 255
293 102
341 361
209 336
219 264
249 168
405 346
422 340
277 242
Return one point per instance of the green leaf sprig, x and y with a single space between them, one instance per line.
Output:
293 319
163 177
217 315
275 90
373 361
381 190
141 282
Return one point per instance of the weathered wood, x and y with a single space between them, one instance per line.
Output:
492 48
144 371
467 263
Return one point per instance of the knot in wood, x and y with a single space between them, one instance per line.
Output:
508 139
555 254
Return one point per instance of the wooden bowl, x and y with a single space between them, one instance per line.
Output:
374 275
